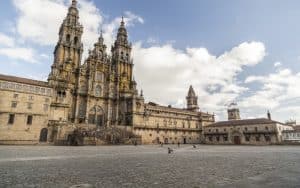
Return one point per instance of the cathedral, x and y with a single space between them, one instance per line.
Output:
93 103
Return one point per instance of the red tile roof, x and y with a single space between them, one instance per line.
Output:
243 122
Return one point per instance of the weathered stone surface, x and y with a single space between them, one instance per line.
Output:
150 166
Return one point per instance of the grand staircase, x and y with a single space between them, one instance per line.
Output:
109 135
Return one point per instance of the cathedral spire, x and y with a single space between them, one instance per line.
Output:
122 33
101 39
69 48
122 22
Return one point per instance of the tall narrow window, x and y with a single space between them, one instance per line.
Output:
16 96
98 91
68 38
46 107
29 120
247 138
29 106
14 104
75 40
11 119
257 138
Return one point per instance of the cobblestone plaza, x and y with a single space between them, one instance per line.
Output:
150 166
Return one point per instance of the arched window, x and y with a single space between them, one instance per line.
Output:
75 40
98 91
44 135
96 116
68 38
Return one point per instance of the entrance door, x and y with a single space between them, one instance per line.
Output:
237 140
157 140
166 140
53 136
184 140
43 135
99 120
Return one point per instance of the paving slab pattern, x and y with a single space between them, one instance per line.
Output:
150 166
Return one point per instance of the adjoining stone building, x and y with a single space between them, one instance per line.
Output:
291 136
96 102
259 131
24 110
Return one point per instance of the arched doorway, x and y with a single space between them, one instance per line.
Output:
166 141
236 137
44 135
53 136
184 140
96 116
237 140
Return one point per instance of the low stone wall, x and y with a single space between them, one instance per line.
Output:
290 143
19 142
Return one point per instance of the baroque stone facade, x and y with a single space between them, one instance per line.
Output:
94 102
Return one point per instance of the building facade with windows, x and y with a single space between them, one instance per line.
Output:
94 102
291 136
24 110
259 131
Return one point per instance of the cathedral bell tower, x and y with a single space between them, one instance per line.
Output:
65 68
192 100
121 59
68 51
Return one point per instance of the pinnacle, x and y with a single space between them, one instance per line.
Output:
74 3
191 91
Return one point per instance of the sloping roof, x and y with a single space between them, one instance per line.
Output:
243 122
23 80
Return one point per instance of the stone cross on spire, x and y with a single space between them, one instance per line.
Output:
122 21
74 3
101 40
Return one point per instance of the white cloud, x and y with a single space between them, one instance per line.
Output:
24 54
277 64
37 22
279 92
165 73
6 40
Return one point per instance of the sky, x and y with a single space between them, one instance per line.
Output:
246 52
